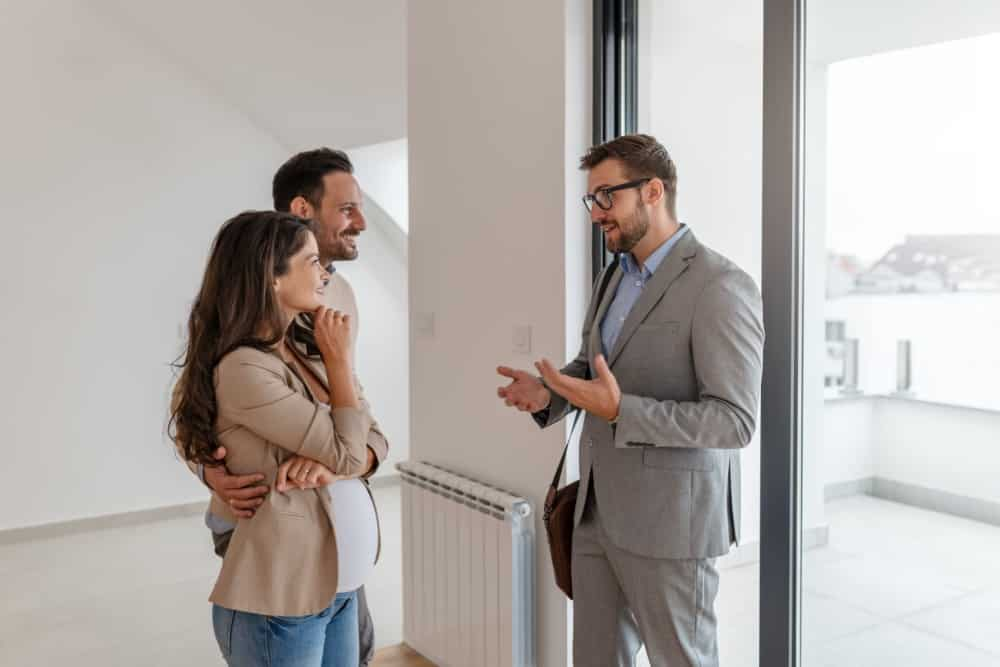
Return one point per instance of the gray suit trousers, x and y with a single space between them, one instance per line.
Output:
622 600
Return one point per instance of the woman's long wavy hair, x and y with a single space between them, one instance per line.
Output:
236 307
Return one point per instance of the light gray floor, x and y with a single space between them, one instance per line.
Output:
138 595
896 586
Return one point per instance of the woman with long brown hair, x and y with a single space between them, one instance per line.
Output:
276 600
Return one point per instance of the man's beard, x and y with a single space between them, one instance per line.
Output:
629 236
343 250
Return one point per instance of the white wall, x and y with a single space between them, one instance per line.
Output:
379 277
940 447
579 283
579 228
119 167
109 208
382 171
700 95
490 128
847 444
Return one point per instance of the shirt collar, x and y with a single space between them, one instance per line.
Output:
629 264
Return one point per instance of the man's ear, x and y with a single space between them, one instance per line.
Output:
654 191
301 207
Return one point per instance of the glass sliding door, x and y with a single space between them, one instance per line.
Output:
881 518
900 436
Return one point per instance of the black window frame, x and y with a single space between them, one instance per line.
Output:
616 73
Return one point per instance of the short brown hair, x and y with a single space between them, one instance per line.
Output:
643 157
302 176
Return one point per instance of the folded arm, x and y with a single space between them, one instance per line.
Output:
305 473
258 399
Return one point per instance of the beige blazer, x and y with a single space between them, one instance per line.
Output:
283 561
338 295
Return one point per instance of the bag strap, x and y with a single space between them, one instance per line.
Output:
562 459
550 497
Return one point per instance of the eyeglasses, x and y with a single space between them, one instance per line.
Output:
603 198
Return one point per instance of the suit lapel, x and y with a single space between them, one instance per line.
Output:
675 264
602 308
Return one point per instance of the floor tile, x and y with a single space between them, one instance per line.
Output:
881 586
825 619
973 620
893 645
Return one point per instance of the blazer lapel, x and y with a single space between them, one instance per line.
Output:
675 264
301 350
594 343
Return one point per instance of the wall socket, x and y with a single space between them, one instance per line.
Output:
522 339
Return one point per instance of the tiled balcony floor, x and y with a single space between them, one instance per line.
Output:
896 586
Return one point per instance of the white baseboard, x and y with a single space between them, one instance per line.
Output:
914 495
853 487
749 552
138 517
121 520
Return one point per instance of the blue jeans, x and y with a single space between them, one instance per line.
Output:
326 639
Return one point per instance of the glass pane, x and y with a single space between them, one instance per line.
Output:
902 310
699 94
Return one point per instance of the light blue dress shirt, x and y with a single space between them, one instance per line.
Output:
634 279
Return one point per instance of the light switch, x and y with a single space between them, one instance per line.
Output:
522 339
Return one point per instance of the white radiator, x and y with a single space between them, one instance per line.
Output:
468 570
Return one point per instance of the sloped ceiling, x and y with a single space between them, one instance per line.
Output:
307 72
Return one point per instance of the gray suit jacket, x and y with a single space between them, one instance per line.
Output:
688 361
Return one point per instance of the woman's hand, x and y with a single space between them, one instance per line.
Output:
333 335
333 338
299 472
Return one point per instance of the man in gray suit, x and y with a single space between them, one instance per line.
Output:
669 376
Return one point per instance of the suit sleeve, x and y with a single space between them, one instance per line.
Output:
727 341
258 399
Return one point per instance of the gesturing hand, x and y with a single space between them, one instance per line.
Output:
525 392
600 396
